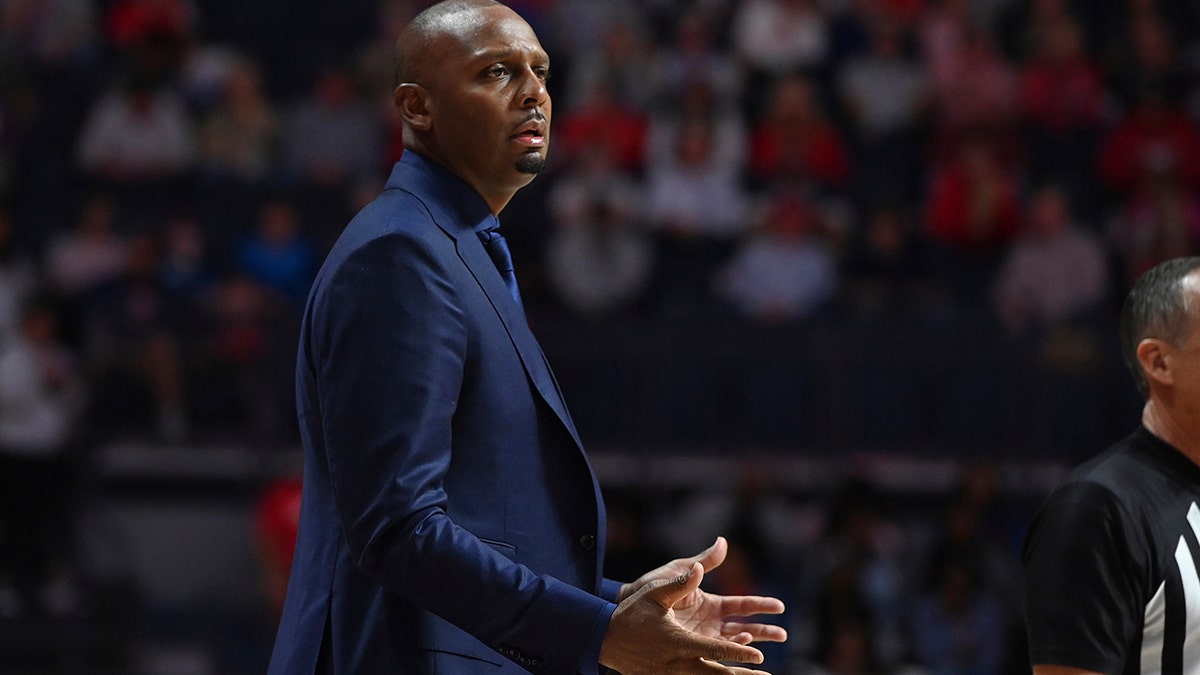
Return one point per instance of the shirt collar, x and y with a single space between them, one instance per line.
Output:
445 190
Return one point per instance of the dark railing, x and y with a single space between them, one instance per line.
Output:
965 389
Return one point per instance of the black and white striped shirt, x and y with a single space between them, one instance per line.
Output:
1111 581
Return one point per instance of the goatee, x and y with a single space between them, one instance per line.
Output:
532 163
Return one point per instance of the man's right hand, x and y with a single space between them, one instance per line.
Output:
645 639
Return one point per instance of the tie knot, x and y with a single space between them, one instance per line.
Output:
497 248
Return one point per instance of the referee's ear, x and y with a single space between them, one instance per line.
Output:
1155 358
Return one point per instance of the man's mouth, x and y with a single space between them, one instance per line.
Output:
532 134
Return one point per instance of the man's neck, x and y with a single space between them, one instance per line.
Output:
1172 428
496 201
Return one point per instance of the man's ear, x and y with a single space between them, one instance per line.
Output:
412 100
1154 356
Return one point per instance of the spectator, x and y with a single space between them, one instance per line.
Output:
694 60
140 134
154 35
1142 55
581 27
887 97
40 404
974 88
131 23
943 34
1062 98
1056 273
973 202
846 650
1158 222
136 349
854 574
781 37
787 271
93 254
203 75
331 138
50 60
602 122
1154 139
251 338
187 274
278 255
598 258
698 105
886 270
958 627
330 142
697 207
618 65
238 139
50 31
1021 28
972 212
984 518
794 141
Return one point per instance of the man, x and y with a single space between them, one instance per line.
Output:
450 521
1111 577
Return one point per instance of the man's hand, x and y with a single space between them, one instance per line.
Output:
707 614
645 638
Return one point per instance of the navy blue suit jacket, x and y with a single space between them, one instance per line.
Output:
450 522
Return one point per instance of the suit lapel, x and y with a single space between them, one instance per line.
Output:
455 207
471 251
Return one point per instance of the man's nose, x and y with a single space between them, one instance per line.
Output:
534 92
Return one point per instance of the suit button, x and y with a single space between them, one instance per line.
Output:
587 542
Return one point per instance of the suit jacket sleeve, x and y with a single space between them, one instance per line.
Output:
387 345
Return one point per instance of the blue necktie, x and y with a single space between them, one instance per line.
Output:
497 248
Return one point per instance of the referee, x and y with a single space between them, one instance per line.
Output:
1110 562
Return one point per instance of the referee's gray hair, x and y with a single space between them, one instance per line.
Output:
1156 308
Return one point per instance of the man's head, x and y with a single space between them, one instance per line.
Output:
1159 336
471 90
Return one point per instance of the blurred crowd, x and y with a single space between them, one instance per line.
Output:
875 581
172 172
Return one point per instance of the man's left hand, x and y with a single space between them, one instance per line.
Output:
713 615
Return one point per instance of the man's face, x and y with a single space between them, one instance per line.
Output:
488 103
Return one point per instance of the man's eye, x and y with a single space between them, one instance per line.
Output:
542 73
496 71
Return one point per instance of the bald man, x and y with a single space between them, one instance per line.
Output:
450 520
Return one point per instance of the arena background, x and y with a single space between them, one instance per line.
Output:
836 278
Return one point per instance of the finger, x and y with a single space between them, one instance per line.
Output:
715 649
712 557
749 605
758 632
667 593
742 638
704 667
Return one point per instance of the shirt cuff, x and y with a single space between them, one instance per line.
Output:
590 664
610 590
